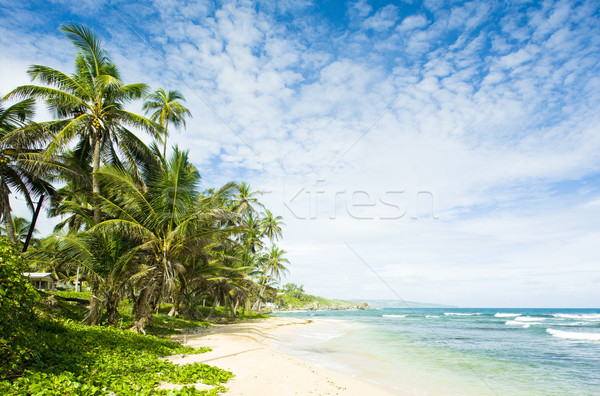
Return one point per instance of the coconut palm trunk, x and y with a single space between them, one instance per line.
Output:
95 182
7 216
141 317
112 303
166 135
96 307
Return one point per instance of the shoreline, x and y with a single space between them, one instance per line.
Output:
261 369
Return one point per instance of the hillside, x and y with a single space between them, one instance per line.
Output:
293 297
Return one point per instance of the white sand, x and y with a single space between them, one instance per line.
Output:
259 369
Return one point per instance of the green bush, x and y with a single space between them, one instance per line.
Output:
17 315
75 359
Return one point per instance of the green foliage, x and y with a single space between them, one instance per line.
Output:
17 299
75 359
84 295
52 305
293 296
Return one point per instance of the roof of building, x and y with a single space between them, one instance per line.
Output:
38 275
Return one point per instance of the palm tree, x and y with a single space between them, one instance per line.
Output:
21 227
274 263
164 219
19 171
89 105
108 260
245 200
271 226
166 109
250 237
271 266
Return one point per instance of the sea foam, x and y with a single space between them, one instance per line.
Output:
525 325
529 319
394 316
506 315
572 335
460 314
580 316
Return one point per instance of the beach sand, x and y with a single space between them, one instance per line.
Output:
260 369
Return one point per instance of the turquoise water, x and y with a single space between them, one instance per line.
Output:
454 351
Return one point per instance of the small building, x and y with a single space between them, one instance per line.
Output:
41 280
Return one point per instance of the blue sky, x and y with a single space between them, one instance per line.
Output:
453 146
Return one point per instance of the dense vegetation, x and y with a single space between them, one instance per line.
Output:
74 359
17 299
137 228
292 296
135 222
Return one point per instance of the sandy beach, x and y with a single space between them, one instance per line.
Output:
260 369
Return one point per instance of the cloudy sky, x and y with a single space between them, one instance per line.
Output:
436 151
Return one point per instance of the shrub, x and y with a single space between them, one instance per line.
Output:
75 359
17 315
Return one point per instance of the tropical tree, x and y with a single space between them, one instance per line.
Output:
271 266
21 227
274 263
90 106
164 219
245 200
108 261
250 237
166 108
19 170
271 226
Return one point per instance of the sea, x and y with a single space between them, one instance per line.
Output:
455 351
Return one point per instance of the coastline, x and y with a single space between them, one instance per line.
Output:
260 369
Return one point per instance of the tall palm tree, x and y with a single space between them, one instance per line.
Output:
89 105
167 108
245 200
271 226
19 171
274 263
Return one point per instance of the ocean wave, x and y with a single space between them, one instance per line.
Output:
431 316
572 335
460 314
525 325
506 315
529 319
578 316
394 316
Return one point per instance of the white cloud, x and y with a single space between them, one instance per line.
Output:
487 124
383 19
413 22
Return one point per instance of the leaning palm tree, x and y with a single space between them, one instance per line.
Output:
90 105
19 171
166 108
